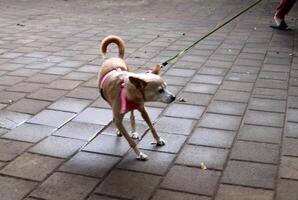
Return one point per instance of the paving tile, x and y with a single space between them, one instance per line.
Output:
212 137
89 164
184 111
10 80
287 190
292 102
57 71
57 147
173 142
267 105
80 76
64 84
152 112
11 149
291 129
100 197
130 185
213 71
271 83
219 121
25 87
15 189
10 66
100 103
237 86
256 152
232 192
6 97
234 96
10 119
224 107
180 72
289 167
71 64
42 78
274 75
158 162
47 94
241 77
290 147
202 181
213 158
95 116
61 186
201 88
91 83
172 195
89 68
52 118
217 80
250 174
268 93
175 80
195 98
174 125
29 106
107 144
84 93
292 115
264 118
70 105
31 166
260 133
78 130
29 132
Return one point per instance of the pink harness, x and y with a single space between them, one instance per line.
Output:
126 105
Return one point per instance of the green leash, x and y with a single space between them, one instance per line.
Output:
183 52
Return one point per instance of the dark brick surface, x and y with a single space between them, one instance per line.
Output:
29 106
11 149
172 195
289 167
287 190
290 147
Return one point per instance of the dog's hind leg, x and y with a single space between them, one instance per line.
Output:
117 131
159 140
134 133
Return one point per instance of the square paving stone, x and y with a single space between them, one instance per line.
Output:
157 162
264 118
175 80
57 70
180 72
195 98
213 71
260 133
100 103
90 164
292 115
6 97
287 190
174 125
267 105
79 130
31 166
61 186
213 158
29 106
224 107
212 137
10 149
47 94
289 167
290 147
10 80
10 119
231 192
191 180
129 185
250 174
173 142
64 84
70 105
291 129
25 87
152 112
80 76
234 96
52 118
237 86
256 152
267 93
207 79
172 195
42 78
219 121
57 147
107 144
84 93
100 197
95 116
201 88
185 111
15 189
29 132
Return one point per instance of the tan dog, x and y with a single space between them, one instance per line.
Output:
126 91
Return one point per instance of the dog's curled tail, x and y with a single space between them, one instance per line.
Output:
112 39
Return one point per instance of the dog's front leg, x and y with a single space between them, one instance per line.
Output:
159 140
131 142
134 133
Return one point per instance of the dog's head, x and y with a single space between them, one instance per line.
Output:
152 87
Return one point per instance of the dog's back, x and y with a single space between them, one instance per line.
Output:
112 63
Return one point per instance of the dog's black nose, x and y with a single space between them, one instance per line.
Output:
173 98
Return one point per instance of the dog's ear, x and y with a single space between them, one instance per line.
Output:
156 70
138 83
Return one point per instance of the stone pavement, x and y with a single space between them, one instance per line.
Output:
240 118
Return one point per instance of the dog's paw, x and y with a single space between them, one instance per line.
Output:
142 157
160 142
135 136
118 134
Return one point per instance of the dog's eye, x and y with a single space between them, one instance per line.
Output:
161 90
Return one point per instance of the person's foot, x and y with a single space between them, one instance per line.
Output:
280 24
277 20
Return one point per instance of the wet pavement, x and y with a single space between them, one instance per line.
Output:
236 111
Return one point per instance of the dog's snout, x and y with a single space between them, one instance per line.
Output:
173 98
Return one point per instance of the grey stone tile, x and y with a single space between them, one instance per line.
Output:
174 125
70 105
287 190
47 94
220 121
25 87
84 93
95 116
237 86
172 195
180 72
195 98
42 78
89 164
10 119
11 149
224 107
29 106
217 80
291 129
234 96
184 111
264 118
289 167
292 115
267 105
64 84
290 147
268 93
201 88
